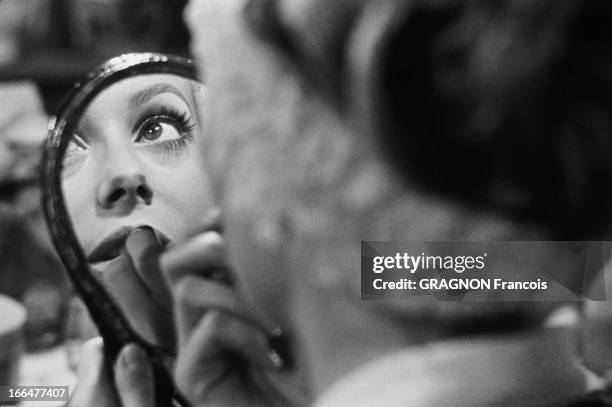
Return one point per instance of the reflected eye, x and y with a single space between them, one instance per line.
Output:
158 132
164 131
76 146
77 143
76 152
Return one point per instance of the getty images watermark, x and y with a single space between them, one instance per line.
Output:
485 271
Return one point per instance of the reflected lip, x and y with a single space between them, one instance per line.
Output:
111 246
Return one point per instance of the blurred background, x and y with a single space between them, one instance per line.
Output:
45 46
53 42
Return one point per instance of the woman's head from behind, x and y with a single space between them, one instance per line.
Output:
475 121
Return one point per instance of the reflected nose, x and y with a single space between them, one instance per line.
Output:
124 189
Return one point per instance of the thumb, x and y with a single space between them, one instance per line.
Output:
134 377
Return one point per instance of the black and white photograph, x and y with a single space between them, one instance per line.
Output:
306 203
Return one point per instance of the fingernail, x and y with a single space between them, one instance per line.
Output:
160 238
132 356
138 233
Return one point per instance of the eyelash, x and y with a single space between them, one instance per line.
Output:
165 114
73 158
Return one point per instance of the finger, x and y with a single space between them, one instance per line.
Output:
203 255
210 222
134 377
131 295
204 358
93 385
145 249
194 296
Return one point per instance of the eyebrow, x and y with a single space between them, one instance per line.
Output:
142 96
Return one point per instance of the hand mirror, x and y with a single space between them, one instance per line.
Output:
123 164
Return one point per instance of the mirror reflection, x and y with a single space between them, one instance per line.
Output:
133 180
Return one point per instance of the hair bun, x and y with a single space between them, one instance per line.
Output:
504 105
500 104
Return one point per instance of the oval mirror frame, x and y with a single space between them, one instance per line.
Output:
112 324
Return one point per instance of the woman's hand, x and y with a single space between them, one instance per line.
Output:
138 287
223 353
133 379
136 284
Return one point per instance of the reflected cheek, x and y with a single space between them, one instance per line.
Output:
184 190
80 204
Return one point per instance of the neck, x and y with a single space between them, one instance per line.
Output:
336 332
334 346
529 368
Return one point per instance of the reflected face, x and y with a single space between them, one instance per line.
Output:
135 159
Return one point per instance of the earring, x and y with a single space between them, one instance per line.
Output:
281 347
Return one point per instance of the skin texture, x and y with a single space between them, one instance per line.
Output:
301 184
133 379
177 202
115 160
133 162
